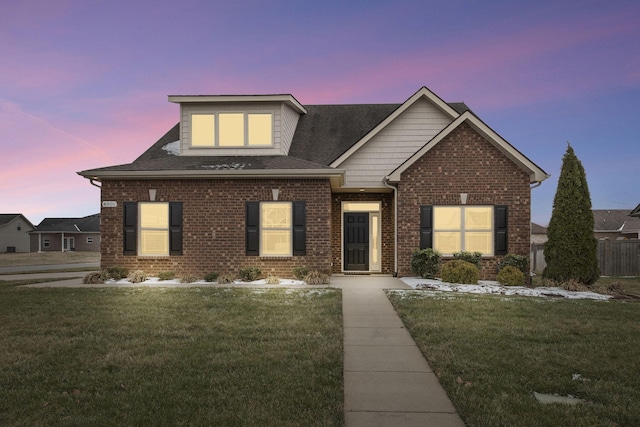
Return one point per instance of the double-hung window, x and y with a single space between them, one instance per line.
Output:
451 229
275 229
152 228
225 130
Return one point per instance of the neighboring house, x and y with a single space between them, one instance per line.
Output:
264 181
636 212
14 233
615 224
538 233
67 234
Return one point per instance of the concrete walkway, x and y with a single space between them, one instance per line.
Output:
387 381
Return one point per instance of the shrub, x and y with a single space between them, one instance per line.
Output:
249 274
273 280
459 271
166 275
117 273
472 257
425 263
300 272
225 279
137 276
521 262
211 277
510 276
94 277
188 279
316 278
573 285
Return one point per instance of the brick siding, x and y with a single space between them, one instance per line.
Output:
214 224
463 162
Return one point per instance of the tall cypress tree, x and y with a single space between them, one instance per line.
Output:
571 249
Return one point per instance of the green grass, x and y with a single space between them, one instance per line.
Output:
491 353
159 356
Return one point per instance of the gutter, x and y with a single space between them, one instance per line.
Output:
385 181
208 174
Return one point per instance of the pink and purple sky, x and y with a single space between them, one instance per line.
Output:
84 84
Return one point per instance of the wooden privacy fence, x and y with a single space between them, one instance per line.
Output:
616 257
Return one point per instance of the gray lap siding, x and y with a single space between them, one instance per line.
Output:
213 227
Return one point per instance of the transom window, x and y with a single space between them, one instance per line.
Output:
154 229
232 130
275 229
463 228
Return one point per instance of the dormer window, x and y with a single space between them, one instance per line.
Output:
232 130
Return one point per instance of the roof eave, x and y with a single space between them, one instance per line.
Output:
206 174
290 100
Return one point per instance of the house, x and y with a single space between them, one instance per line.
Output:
264 181
615 224
67 234
636 212
14 233
538 233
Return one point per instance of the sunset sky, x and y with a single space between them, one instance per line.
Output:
84 84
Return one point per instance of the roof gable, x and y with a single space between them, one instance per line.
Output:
87 224
536 174
422 93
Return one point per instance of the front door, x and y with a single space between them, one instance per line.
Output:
356 241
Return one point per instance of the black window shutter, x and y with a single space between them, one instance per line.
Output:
175 228
500 226
299 229
252 231
130 228
426 227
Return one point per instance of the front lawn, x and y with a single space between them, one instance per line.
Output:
179 356
491 353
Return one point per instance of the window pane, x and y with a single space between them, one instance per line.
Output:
446 218
202 130
259 129
478 218
479 241
231 130
276 242
275 215
154 215
447 242
154 242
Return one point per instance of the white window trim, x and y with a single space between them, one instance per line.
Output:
290 228
216 127
140 229
462 230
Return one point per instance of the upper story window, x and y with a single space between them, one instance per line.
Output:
232 130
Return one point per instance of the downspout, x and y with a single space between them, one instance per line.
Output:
93 183
385 181
536 184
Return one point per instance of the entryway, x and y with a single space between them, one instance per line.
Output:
361 236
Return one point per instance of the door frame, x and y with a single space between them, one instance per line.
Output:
374 209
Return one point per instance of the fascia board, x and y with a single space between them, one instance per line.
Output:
206 174
287 99
536 174
423 92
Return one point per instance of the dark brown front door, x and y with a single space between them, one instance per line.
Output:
356 241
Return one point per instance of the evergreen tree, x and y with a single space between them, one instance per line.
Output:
571 249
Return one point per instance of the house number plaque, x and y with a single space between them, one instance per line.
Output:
109 204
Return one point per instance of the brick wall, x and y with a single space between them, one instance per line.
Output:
386 222
463 162
214 224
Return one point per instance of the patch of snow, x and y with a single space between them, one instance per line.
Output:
491 287
156 282
172 148
555 398
224 166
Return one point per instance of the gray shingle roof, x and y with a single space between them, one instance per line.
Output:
614 220
87 224
7 218
321 136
